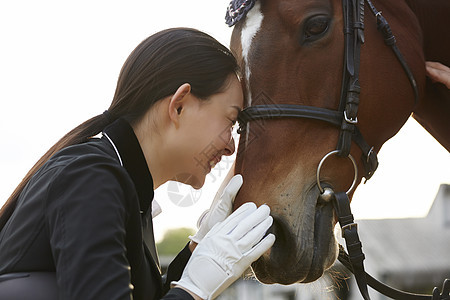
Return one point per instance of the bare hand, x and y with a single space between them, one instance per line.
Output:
438 72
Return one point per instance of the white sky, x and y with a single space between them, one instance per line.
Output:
59 62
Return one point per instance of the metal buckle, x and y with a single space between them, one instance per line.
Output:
348 226
369 153
349 120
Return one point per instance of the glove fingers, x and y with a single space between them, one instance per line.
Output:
255 235
225 204
203 217
257 251
222 208
230 223
232 188
251 221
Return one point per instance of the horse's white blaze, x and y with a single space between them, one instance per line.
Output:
251 26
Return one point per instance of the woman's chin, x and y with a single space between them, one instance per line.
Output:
197 185
188 178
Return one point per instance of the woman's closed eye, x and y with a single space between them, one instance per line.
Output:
233 123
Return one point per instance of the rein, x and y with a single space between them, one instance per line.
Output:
345 118
353 261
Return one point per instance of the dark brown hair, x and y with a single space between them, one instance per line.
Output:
154 70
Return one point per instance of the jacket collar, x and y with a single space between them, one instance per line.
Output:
133 160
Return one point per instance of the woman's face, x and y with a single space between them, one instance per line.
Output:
207 136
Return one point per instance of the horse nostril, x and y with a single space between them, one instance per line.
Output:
282 253
278 229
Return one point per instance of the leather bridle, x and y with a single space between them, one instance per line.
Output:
346 115
346 118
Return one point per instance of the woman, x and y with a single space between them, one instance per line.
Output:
74 227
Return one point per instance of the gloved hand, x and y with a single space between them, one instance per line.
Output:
219 210
227 251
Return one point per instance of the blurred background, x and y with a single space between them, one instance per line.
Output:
59 62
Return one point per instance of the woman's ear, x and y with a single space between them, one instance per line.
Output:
177 102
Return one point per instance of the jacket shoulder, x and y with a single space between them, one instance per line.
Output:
84 172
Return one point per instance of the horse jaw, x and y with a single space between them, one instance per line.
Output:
305 245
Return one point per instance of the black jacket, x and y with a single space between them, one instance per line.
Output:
82 215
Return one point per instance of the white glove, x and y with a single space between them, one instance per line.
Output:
227 251
219 210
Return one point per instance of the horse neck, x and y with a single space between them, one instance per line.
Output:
434 110
433 17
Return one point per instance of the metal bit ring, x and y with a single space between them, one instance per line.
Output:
355 167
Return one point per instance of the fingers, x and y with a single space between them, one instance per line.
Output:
255 235
438 72
232 188
437 65
224 207
226 200
251 222
257 251
230 223
246 228
202 218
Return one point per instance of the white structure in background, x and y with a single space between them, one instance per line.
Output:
408 254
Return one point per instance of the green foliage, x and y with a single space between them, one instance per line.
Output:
174 240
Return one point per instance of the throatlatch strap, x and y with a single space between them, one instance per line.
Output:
389 39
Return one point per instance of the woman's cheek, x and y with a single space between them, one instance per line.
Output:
225 136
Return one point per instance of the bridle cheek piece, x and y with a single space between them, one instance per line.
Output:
346 119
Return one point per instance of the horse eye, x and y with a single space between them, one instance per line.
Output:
315 27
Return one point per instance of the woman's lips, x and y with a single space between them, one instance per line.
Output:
213 162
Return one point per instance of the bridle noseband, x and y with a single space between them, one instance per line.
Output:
346 119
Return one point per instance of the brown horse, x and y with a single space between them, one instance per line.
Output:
292 52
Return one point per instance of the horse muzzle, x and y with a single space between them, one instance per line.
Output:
305 245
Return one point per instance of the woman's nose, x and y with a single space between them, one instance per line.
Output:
230 148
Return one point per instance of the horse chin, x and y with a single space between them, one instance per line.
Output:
304 248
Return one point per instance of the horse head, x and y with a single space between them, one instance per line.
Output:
291 52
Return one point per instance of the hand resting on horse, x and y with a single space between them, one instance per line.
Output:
438 72
226 251
219 210
227 244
